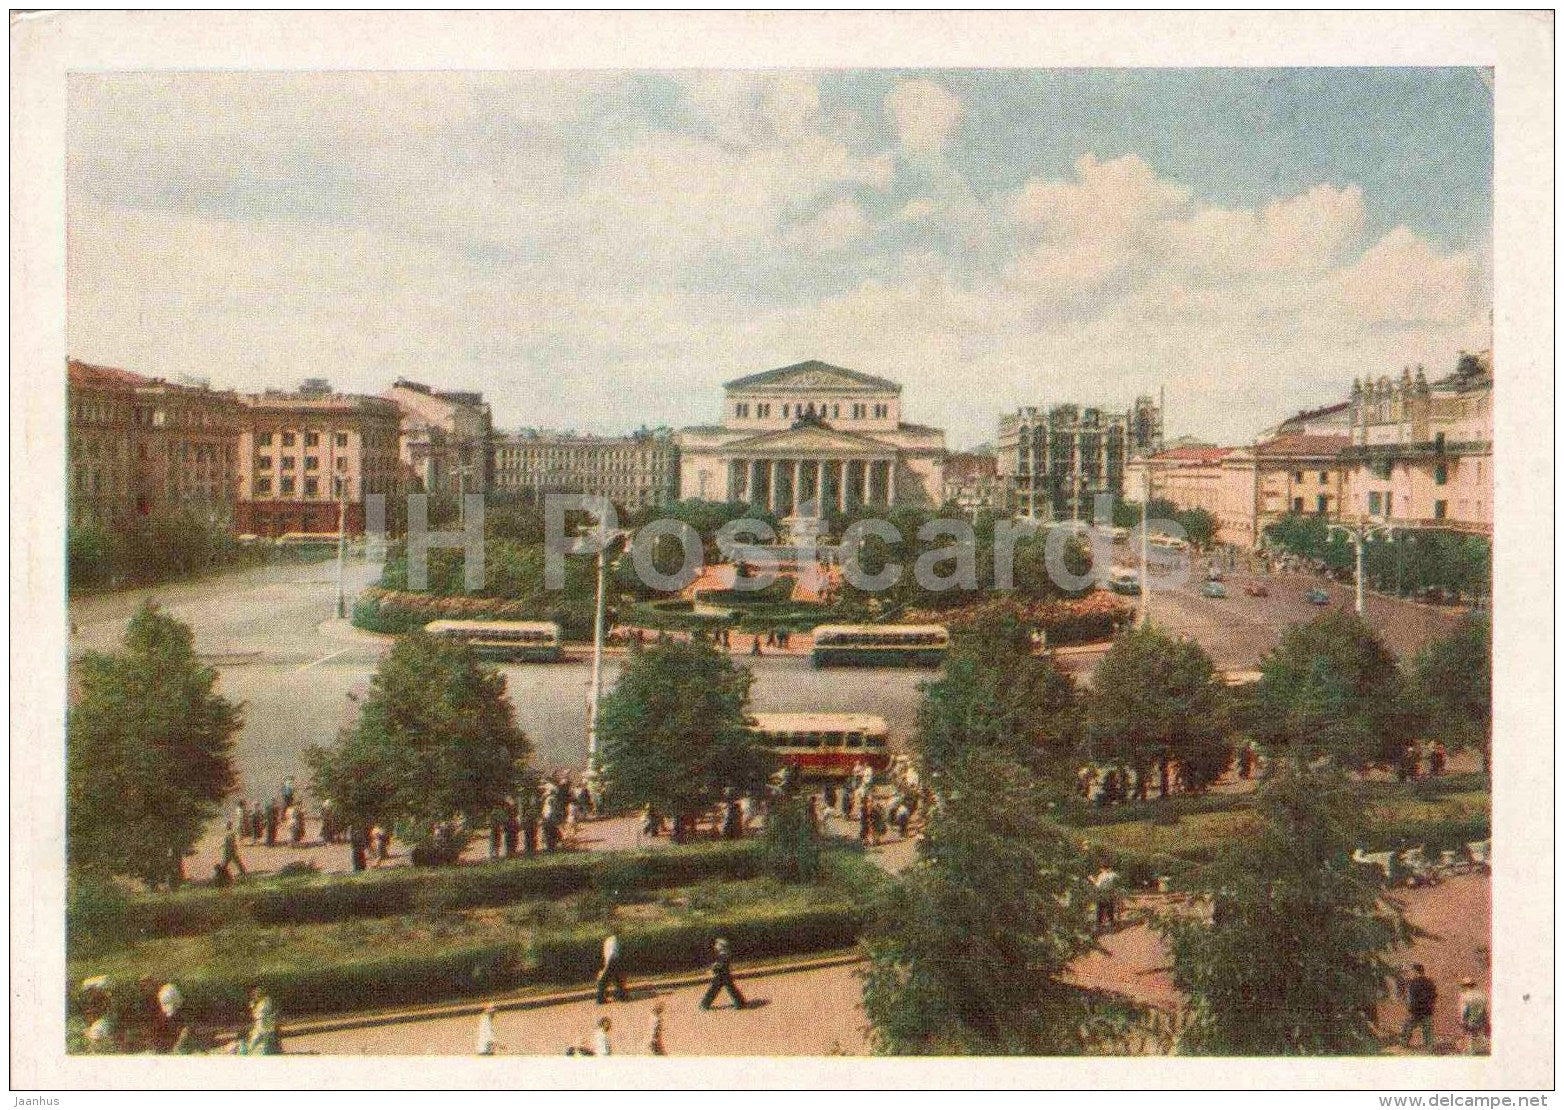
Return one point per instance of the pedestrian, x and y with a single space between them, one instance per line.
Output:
1436 759
847 804
877 822
829 796
512 830
732 821
287 792
601 1045
754 647
1245 761
1421 997
654 1034
613 971
722 976
529 832
241 818
814 813
296 824
486 1042
651 822
865 820
901 815
496 831
231 849
1106 885
263 1040
382 843
272 816
1473 1005
170 1034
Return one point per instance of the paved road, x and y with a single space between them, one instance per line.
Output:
271 633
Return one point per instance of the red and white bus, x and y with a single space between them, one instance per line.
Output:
825 745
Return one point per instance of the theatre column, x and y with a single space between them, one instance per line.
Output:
841 486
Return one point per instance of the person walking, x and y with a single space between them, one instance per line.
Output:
722 976
1421 998
613 971
287 792
296 824
486 1042
231 850
1106 885
263 1040
1473 1005
601 1045
272 816
654 1034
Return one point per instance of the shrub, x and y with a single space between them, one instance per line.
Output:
406 890
97 915
792 845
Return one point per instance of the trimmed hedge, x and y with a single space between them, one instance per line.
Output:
557 958
410 890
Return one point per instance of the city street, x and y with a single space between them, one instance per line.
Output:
272 635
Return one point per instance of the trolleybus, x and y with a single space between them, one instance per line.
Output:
824 745
880 645
511 641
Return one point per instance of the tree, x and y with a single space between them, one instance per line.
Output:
968 950
148 751
1155 700
1454 680
672 733
435 740
1199 526
1332 688
1292 961
998 695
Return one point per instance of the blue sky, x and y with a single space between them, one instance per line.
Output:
601 250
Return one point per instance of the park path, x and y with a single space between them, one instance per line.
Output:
820 1011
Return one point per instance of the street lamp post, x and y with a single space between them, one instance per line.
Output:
607 538
1145 543
342 547
1359 534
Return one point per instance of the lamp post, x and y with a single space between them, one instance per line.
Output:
342 546
1359 534
1145 543
607 538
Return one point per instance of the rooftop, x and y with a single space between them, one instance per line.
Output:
781 377
1304 445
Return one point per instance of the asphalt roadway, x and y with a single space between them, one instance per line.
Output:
272 634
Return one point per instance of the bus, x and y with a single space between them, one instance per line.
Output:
880 645
510 641
824 745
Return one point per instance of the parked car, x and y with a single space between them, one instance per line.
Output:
1317 597
1257 589
1214 589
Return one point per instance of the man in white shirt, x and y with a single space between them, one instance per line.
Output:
613 972
486 1042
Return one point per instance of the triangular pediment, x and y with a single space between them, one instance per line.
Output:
817 375
810 440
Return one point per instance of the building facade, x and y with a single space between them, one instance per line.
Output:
808 437
972 481
1054 462
1420 454
445 438
300 452
143 447
634 471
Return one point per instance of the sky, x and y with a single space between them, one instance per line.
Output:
600 251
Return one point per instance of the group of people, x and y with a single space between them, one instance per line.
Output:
155 1021
734 817
861 798
1415 757
1422 998
612 975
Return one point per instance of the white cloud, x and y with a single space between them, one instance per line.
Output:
924 114
838 226
539 241
1403 280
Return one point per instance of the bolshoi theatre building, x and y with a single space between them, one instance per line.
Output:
812 434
